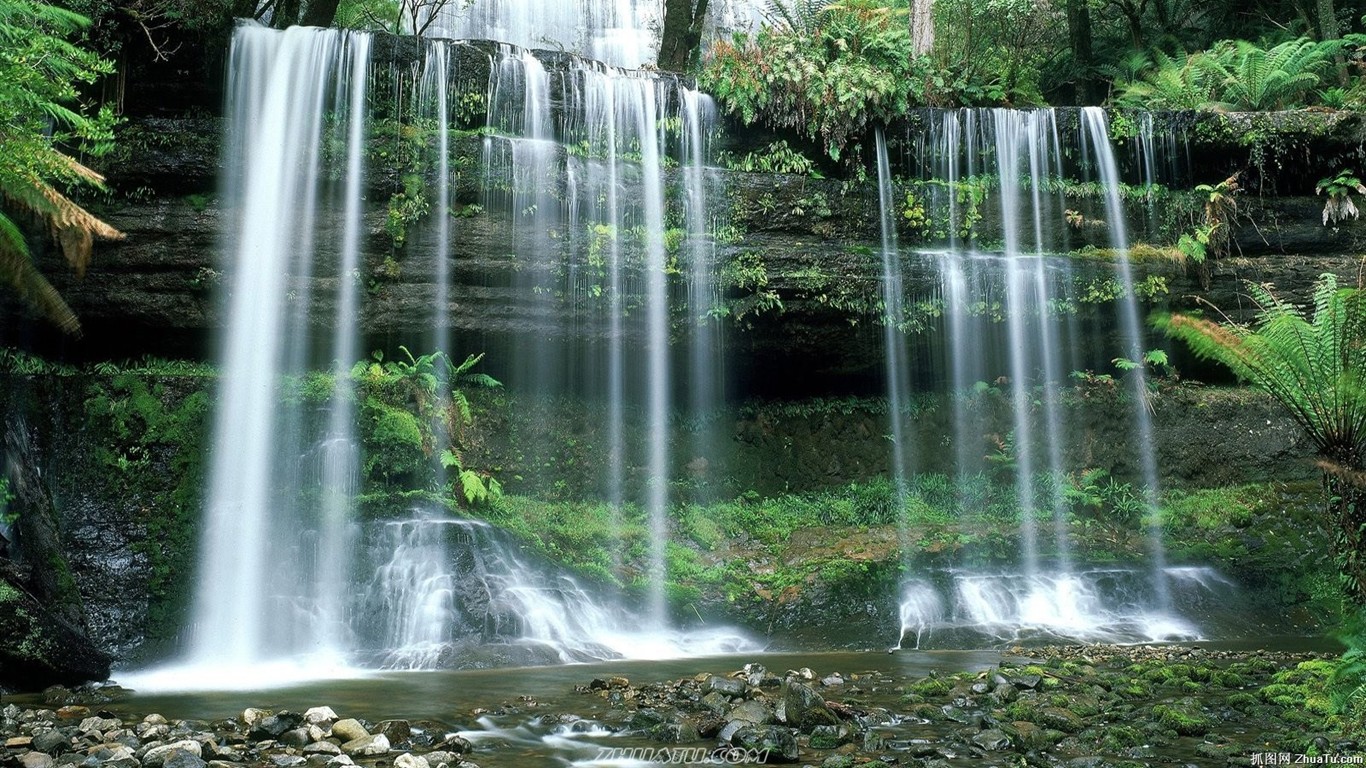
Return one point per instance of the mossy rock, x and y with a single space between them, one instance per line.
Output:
1183 717
38 649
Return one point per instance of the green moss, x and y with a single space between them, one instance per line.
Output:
1185 718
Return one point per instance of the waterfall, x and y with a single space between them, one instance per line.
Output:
255 599
617 32
894 341
1097 129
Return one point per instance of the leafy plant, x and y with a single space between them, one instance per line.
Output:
1233 74
827 72
1314 367
40 109
1339 206
777 157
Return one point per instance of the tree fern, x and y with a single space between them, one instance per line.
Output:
794 15
1312 366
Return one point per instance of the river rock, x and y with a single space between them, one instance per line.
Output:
1064 720
349 730
396 731
274 726
992 740
831 736
182 758
157 756
297 738
408 760
367 746
751 712
73 712
36 760
51 741
249 717
803 708
726 686
320 716
441 757
155 719
322 748
679 731
19 742
340 761
287 761
779 743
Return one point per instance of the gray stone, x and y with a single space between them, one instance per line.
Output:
830 736
778 743
122 762
349 730
408 760
36 760
51 741
101 724
224 764
297 738
728 686
832 680
367 746
992 740
154 719
340 761
287 761
322 748
752 712
183 758
680 731
251 716
804 708
440 758
323 716
157 756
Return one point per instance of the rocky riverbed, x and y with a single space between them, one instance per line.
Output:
1073 706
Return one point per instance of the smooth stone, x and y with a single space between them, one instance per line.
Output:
440 758
183 758
779 743
19 742
73 712
408 760
287 761
157 756
36 760
367 746
251 716
804 708
726 686
340 761
322 748
752 712
832 680
297 738
154 719
992 740
319 716
349 730
315 734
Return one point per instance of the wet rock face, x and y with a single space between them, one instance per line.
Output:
38 648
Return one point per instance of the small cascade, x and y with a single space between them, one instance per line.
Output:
454 592
1106 605
270 565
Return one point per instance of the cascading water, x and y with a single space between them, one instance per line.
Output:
270 568
1016 155
894 342
613 31
1096 126
1115 605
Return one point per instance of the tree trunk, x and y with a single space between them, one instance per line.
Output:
320 13
1347 511
1079 35
922 27
681 35
286 14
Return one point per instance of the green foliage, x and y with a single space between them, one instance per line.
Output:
41 74
1313 367
1234 75
416 412
7 516
1347 684
830 74
777 157
992 52
1339 188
